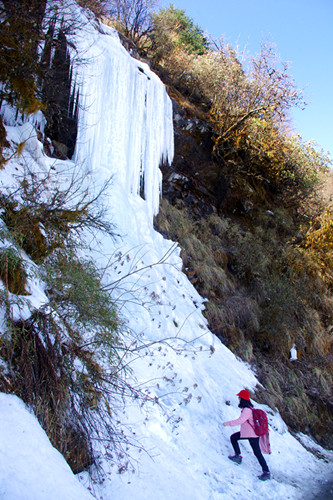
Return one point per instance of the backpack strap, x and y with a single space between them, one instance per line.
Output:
250 422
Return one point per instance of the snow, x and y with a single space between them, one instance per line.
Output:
30 468
181 446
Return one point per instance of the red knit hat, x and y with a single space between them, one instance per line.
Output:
244 394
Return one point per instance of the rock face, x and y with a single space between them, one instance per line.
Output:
61 117
197 178
193 176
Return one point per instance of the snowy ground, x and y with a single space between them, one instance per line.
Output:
30 468
181 446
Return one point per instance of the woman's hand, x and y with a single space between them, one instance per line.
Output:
224 423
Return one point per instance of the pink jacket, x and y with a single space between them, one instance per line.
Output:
246 431
245 421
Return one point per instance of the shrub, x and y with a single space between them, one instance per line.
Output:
318 244
38 366
12 271
75 286
20 36
297 394
173 29
294 167
41 224
132 18
264 294
64 362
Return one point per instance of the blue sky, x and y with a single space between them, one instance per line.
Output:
302 32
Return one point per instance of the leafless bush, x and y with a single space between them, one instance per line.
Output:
41 214
133 17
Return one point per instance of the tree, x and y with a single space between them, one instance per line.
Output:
20 37
266 91
27 33
172 29
250 112
133 17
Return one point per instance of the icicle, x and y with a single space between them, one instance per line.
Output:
124 114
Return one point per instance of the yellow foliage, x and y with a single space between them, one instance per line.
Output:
319 244
20 147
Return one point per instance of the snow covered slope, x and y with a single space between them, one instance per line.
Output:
125 130
30 469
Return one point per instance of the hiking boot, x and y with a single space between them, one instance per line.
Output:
236 458
264 476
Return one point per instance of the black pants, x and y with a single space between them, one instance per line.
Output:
254 442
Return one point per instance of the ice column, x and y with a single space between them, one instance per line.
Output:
125 115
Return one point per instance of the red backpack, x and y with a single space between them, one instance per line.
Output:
260 422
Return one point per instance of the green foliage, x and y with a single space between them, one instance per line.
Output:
174 30
266 287
20 35
43 374
65 363
39 377
12 271
294 167
26 230
264 292
248 106
75 285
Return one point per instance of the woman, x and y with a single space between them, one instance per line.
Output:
247 432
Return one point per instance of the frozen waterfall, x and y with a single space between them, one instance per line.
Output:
125 115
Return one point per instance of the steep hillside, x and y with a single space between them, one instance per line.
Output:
241 239
113 335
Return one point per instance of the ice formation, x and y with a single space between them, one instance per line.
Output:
125 115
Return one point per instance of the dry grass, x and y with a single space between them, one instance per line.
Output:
260 304
38 367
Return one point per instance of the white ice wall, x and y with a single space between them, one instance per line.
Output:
125 115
